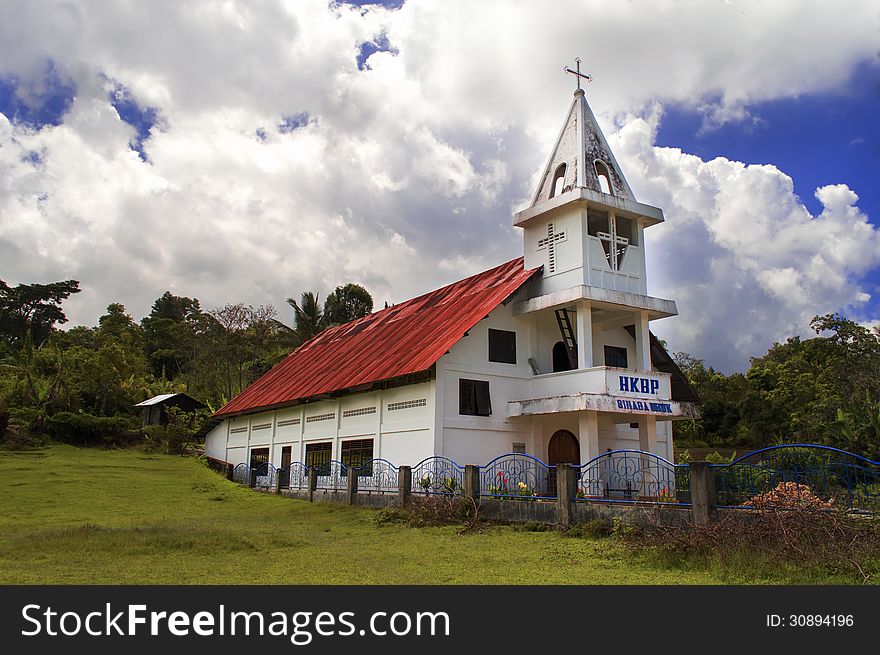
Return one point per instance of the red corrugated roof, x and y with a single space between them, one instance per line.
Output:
403 339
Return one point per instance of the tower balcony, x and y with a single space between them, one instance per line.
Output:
603 389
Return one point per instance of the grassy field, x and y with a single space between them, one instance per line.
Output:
70 515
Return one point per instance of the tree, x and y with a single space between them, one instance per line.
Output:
32 310
308 318
166 329
347 303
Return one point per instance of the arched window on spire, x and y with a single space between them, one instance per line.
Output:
604 177
558 181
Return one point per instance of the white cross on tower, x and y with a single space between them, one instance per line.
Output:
549 242
616 244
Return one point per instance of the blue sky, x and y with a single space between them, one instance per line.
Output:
245 153
816 138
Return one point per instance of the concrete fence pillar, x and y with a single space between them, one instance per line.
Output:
471 482
252 477
229 469
566 490
351 486
404 485
276 485
313 483
702 491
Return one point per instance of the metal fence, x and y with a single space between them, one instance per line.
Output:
629 475
439 476
377 476
332 475
296 476
795 476
518 476
787 476
241 474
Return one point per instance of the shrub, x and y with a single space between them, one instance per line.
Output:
596 528
88 430
532 526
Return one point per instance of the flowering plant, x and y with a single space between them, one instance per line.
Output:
666 496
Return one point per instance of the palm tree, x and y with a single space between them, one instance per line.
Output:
307 315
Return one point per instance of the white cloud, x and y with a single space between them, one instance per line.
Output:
744 259
405 176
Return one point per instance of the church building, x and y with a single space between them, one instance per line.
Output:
549 354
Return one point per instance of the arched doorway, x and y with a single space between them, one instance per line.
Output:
560 358
563 449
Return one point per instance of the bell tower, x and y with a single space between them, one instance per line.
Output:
586 229
584 225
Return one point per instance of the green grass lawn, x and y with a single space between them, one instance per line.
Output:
70 515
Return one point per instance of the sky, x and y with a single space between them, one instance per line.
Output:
249 151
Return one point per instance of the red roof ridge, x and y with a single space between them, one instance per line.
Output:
405 338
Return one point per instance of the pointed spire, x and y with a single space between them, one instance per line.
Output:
581 158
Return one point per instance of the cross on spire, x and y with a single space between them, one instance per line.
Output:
577 73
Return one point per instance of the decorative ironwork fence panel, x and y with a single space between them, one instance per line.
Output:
297 476
437 475
798 476
241 474
518 476
631 475
332 475
265 478
377 475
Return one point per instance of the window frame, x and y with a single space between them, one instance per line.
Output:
474 397
502 347
323 467
617 350
356 445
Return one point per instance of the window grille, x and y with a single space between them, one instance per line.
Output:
361 411
407 404
319 417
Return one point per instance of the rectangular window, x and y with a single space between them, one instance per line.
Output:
519 448
615 356
502 346
473 398
260 460
356 453
318 456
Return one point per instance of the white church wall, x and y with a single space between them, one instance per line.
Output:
215 442
470 439
237 455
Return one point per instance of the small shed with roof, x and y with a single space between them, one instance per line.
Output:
155 408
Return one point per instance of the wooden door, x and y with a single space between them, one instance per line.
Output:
563 449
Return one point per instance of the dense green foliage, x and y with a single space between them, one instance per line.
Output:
823 390
66 383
